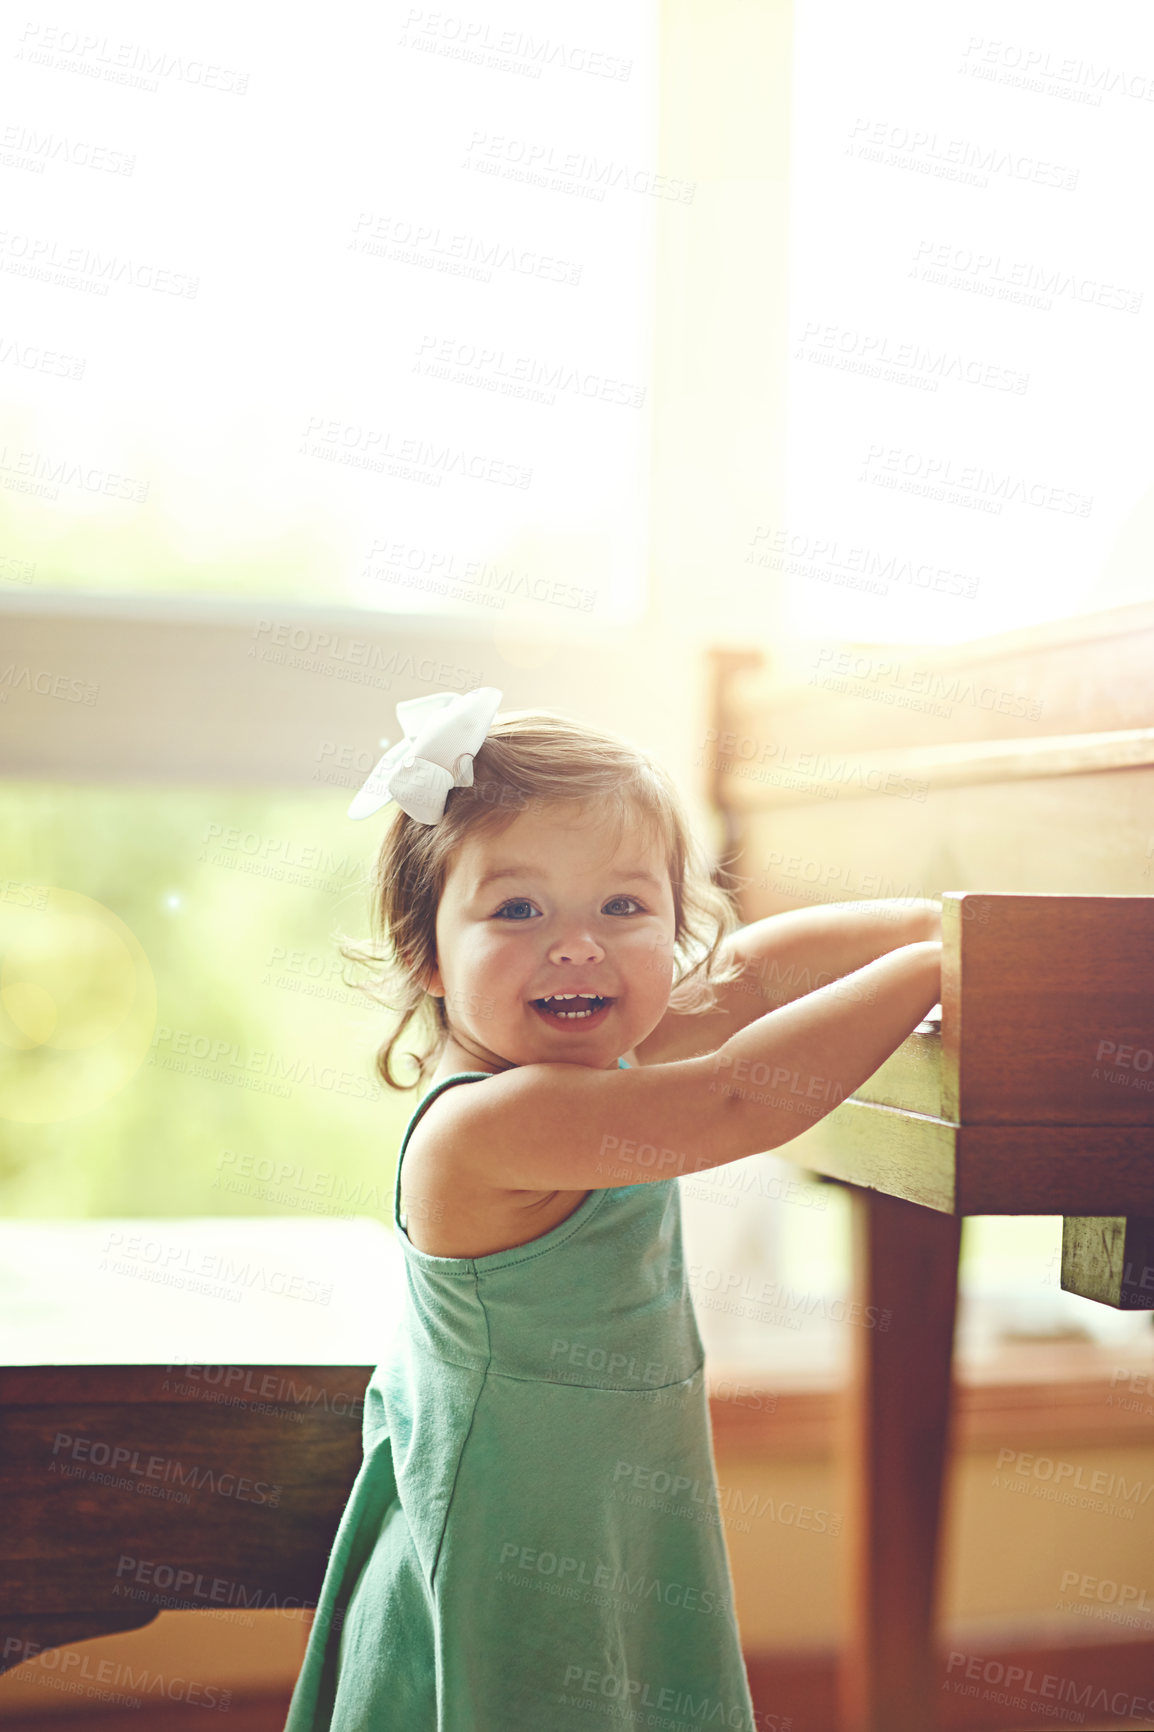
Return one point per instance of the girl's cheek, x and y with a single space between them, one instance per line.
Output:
654 943
494 951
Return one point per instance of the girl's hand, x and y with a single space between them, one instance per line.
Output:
785 956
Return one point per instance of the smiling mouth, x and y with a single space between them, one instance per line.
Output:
571 1006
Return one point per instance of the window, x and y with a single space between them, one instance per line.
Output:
355 315
968 321
175 1034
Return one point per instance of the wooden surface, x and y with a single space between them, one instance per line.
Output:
127 1491
822 775
136 1462
1087 674
1040 997
1024 1394
1070 835
981 1169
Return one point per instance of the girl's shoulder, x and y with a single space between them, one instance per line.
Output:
537 1134
440 1079
452 1207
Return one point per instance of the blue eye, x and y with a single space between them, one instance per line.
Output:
506 909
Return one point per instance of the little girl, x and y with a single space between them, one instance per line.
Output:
533 1541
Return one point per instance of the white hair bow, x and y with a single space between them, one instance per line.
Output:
442 733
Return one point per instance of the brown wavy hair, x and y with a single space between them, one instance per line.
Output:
528 757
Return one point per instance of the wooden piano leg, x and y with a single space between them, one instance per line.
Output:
906 1268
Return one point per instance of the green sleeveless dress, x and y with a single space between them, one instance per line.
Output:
533 1541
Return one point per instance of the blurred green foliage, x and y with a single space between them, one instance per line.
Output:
256 1093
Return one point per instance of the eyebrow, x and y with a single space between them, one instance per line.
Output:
527 871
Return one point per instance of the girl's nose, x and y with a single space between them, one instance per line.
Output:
577 947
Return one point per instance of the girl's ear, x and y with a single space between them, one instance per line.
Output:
434 983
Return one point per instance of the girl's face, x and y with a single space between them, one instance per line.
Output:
550 906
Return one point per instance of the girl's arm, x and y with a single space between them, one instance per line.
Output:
547 1127
785 956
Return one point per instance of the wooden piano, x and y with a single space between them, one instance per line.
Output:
1014 778
180 1422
